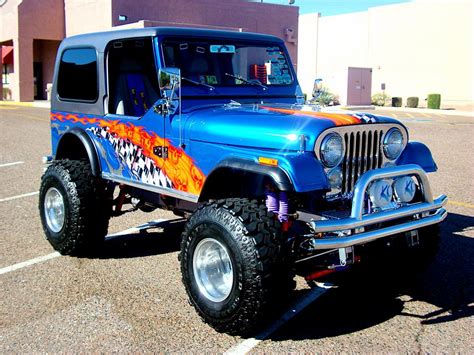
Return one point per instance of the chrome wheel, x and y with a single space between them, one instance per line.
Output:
213 270
54 209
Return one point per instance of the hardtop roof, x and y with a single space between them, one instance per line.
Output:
100 39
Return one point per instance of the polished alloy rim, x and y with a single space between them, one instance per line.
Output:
54 209
213 270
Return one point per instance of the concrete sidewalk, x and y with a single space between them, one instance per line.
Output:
448 112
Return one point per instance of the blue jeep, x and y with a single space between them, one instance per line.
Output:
212 125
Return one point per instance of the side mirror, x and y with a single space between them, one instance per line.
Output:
169 80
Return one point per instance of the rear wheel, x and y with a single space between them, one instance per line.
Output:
230 253
73 207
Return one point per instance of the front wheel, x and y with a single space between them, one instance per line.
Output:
73 207
230 252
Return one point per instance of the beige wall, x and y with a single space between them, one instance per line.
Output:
307 51
414 48
40 20
9 16
83 16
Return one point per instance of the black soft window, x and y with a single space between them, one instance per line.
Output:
77 79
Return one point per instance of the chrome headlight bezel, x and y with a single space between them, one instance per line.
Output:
323 150
386 141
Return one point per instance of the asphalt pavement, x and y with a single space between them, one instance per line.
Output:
129 297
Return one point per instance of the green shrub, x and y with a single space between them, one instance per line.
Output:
412 102
380 99
434 101
397 102
326 98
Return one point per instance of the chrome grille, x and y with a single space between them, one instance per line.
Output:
363 152
363 149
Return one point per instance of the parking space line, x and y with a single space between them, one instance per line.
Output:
11 164
248 344
461 204
19 196
41 259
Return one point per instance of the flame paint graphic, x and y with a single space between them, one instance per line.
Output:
179 167
339 119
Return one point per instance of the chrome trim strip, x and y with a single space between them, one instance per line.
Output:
159 190
366 237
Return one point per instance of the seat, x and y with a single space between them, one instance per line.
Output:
134 93
198 69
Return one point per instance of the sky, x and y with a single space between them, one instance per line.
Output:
335 7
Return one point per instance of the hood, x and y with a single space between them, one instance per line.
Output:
277 127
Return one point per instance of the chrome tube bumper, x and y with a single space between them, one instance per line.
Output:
428 212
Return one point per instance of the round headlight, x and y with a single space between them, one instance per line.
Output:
393 143
332 150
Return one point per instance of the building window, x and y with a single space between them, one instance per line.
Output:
5 74
77 78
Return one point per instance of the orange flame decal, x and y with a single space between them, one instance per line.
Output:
179 167
339 119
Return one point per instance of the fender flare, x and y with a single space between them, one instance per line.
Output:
88 145
418 153
278 175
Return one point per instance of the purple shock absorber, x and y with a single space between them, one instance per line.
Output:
283 207
272 202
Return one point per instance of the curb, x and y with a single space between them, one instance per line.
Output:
16 103
39 104
451 112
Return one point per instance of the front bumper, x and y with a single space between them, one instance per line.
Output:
423 214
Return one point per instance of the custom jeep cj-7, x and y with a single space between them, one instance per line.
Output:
212 125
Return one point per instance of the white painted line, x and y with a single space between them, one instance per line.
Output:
44 258
19 196
248 344
11 164
30 262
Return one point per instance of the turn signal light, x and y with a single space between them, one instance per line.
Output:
268 161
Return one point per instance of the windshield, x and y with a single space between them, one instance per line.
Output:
227 63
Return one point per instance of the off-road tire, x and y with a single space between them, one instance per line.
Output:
254 242
86 212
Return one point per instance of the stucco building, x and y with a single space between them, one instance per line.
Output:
414 49
31 30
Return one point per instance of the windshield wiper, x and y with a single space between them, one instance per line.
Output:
198 83
255 82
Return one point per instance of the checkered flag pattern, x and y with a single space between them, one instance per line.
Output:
141 167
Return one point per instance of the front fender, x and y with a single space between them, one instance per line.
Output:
418 153
305 171
299 172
